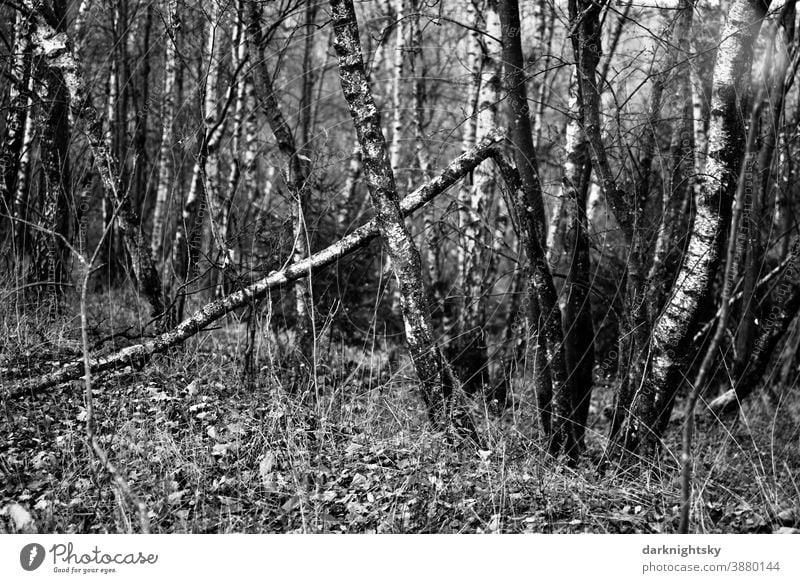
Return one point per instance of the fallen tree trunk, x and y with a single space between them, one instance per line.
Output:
139 354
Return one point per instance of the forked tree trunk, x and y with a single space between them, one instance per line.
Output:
670 345
55 47
440 387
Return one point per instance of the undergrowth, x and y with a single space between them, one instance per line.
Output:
209 449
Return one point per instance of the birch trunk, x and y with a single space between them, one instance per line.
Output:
11 148
397 86
681 177
440 387
472 360
227 195
652 403
166 170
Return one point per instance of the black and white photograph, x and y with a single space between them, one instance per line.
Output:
399 267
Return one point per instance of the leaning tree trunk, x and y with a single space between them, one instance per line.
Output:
139 354
56 49
440 387
672 333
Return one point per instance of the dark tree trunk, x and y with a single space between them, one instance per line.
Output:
57 52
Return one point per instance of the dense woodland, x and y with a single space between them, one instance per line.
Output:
399 265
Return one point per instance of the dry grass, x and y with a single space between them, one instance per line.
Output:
348 451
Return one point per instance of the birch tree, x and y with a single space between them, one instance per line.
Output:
669 349
166 171
439 385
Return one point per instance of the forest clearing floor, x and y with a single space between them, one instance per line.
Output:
348 451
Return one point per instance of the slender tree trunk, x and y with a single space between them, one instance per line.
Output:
776 65
562 434
17 122
50 253
141 170
397 86
681 177
440 387
343 216
189 233
579 332
56 50
166 169
670 345
472 360
297 171
548 383
23 178
227 195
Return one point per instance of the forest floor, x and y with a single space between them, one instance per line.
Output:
207 452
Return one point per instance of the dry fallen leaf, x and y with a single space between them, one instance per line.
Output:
22 520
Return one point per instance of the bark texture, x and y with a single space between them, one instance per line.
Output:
440 387
654 398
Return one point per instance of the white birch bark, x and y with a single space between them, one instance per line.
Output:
166 171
